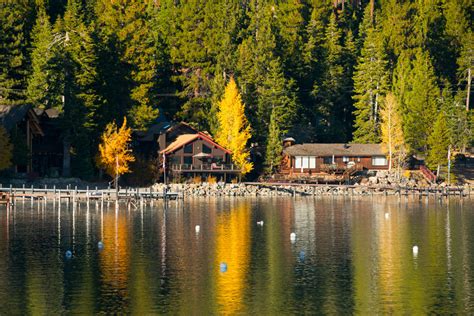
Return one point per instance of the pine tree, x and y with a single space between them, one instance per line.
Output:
125 28
274 145
370 85
5 149
329 90
416 88
13 46
234 130
39 90
391 130
438 143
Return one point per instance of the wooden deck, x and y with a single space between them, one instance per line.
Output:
11 195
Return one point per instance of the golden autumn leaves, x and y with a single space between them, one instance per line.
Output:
114 151
233 133
234 129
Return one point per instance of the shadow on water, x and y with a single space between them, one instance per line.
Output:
350 255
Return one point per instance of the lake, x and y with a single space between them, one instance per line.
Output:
350 256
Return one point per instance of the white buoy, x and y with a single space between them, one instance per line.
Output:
415 250
292 236
387 216
260 223
198 228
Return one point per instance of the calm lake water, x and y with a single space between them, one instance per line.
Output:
350 256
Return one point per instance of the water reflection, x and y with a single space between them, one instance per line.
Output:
349 257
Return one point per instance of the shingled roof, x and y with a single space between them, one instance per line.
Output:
324 150
185 139
11 115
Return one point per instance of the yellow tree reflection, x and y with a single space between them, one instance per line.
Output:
232 247
115 258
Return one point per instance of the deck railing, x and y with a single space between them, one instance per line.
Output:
204 167
428 174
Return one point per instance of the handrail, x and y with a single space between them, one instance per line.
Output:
428 174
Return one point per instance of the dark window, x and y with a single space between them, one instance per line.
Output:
206 149
327 160
174 160
188 160
188 149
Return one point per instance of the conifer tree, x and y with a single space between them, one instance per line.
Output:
370 84
438 143
274 145
416 88
40 82
234 130
13 46
391 130
5 149
329 89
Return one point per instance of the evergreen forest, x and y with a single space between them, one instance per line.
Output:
315 70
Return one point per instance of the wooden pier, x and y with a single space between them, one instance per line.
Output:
11 194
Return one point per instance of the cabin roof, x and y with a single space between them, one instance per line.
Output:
185 139
335 149
11 115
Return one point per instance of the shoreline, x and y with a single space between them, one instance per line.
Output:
284 189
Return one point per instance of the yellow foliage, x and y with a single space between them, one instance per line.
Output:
5 149
196 179
114 152
234 129
392 134
211 180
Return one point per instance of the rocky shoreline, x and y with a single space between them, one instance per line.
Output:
271 190
381 183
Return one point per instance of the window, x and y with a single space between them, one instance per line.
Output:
305 162
298 162
206 149
379 161
312 162
327 160
188 160
345 159
188 149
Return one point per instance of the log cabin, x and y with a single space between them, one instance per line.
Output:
311 159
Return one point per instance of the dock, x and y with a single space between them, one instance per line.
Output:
131 195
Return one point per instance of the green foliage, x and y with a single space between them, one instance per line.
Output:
303 68
416 88
438 143
13 47
274 145
370 85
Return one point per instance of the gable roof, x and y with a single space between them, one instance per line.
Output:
335 149
11 115
185 139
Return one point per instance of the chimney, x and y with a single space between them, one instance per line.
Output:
289 141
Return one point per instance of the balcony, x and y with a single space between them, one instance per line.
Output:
217 168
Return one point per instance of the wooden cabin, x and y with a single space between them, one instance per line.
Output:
23 125
309 159
197 154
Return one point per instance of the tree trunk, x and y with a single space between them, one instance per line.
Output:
468 88
66 158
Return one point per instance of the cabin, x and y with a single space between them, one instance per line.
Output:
195 154
48 151
23 126
313 159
